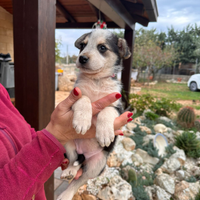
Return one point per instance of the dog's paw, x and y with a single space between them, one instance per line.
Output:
82 121
68 174
104 135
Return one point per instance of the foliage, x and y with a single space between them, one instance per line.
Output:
197 124
139 192
151 115
197 196
161 106
191 179
189 143
169 150
186 117
58 44
132 176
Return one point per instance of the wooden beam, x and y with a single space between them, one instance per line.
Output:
83 25
129 36
97 12
64 12
34 53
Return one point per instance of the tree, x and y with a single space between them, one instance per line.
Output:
58 44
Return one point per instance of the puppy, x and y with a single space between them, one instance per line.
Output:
101 54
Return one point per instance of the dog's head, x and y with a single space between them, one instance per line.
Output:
101 53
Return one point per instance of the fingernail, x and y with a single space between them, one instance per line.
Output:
65 162
129 115
121 134
76 92
129 120
117 96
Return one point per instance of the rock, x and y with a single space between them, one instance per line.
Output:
145 129
117 189
180 174
158 171
179 132
128 144
169 135
123 155
198 135
186 191
137 120
179 154
196 171
148 138
130 126
137 160
189 164
166 119
146 157
166 182
127 133
160 128
161 194
157 193
171 165
113 160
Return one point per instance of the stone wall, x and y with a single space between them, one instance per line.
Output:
6 32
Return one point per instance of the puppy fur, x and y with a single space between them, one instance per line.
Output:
101 54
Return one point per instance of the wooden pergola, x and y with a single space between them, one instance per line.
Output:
34 24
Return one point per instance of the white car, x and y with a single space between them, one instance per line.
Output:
194 82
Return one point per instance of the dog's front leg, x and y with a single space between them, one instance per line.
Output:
105 126
82 115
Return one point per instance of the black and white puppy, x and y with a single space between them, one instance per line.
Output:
101 54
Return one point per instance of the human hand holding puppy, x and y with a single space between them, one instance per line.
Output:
60 124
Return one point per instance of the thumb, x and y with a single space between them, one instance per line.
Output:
71 99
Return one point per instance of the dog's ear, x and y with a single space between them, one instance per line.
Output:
123 49
79 40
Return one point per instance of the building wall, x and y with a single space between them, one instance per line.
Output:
6 33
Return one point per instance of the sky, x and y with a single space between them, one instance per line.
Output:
176 13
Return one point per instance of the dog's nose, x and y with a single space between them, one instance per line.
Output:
83 59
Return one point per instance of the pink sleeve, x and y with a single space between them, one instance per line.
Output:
27 172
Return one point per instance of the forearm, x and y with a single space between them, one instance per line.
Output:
26 173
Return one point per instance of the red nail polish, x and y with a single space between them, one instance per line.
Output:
76 92
129 115
117 96
121 134
129 120
65 162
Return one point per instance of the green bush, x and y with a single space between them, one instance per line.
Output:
197 196
189 143
186 117
162 107
151 115
197 124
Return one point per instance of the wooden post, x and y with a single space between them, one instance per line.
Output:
127 64
34 53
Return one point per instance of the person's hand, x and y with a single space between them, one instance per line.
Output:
60 124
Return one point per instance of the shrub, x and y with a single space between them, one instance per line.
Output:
161 106
151 116
197 124
189 143
197 196
186 117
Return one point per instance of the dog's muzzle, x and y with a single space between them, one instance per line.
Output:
83 59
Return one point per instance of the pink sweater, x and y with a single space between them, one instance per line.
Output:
27 158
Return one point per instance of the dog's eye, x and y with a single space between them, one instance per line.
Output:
83 45
102 48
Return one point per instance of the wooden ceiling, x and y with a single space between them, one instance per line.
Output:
84 13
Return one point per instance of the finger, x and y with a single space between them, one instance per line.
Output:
100 104
119 132
122 120
71 99
64 164
79 173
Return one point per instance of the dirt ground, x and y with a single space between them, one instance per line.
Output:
61 95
